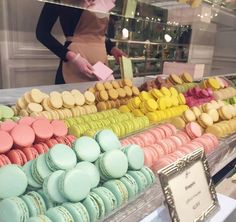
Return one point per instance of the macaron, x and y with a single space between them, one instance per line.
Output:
113 164
40 169
39 218
119 190
107 140
23 135
51 189
43 129
4 160
13 209
148 173
109 199
9 174
135 156
7 112
59 128
30 152
95 206
6 141
77 211
16 156
59 214
92 172
31 182
61 157
48 202
193 130
140 179
35 203
86 149
74 185
7 125
130 184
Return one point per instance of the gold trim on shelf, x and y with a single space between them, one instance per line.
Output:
180 166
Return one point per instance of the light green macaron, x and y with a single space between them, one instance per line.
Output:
130 184
59 214
139 178
39 218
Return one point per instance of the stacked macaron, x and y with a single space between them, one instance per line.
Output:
7 114
113 94
69 179
224 94
214 117
181 82
215 83
163 144
56 105
24 140
197 96
121 123
157 105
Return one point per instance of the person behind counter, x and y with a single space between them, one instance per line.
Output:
85 43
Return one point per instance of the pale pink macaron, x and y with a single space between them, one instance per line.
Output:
27 120
23 135
30 152
59 128
52 142
138 141
205 142
176 140
8 125
167 130
4 160
146 140
171 143
164 146
213 138
148 159
16 156
183 137
172 127
43 129
160 133
163 162
184 149
209 143
6 141
155 155
71 138
159 150
193 130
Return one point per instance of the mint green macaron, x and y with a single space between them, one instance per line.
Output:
135 156
113 164
74 185
130 184
140 179
119 190
59 214
6 112
51 189
47 201
108 198
31 182
13 209
86 149
39 218
78 211
13 181
107 140
150 176
35 203
40 169
95 206
61 157
92 172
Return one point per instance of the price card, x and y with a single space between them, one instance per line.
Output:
188 188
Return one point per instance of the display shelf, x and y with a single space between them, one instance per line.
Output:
152 198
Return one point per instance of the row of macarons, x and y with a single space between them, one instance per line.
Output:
121 123
100 202
166 142
28 131
23 155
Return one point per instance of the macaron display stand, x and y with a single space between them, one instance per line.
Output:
151 198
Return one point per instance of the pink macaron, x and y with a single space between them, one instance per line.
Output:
167 130
71 138
183 137
59 128
60 140
148 159
23 135
52 142
16 156
8 125
27 120
30 152
43 129
6 141
41 148
193 130
4 160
